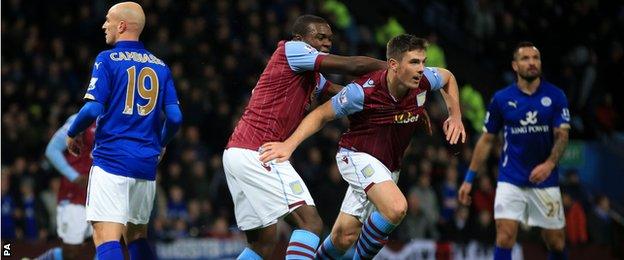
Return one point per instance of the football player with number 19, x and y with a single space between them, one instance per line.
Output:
130 89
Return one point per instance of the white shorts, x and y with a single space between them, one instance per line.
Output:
119 199
262 193
72 226
361 171
531 206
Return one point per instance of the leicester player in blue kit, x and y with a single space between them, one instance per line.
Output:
535 120
129 90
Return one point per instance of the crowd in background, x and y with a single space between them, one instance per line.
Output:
217 50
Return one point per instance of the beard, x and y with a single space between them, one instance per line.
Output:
530 76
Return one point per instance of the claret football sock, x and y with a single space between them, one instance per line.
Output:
374 236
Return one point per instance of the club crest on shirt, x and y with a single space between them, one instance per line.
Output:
421 98
546 101
368 171
369 83
266 166
345 159
296 187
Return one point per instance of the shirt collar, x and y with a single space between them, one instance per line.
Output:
129 44
538 90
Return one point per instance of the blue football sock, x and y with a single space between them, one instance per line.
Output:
110 250
249 254
140 250
58 253
375 231
302 244
327 250
502 253
558 255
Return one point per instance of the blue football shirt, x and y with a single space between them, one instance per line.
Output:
527 122
134 86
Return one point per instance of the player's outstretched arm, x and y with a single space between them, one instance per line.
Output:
54 153
479 155
453 126
543 170
351 65
311 124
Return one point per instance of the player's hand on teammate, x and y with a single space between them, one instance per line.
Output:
74 145
464 193
278 151
454 130
541 172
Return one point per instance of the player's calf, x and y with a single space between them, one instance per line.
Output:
392 207
555 241
307 218
261 241
345 239
106 231
304 241
344 233
138 247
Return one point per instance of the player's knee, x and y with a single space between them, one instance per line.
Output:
555 242
505 238
396 211
104 232
310 220
556 245
135 232
314 225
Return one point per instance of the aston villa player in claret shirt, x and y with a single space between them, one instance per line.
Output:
264 192
384 108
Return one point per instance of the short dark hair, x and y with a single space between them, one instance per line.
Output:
404 43
302 24
521 45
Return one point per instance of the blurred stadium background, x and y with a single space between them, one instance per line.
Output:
217 50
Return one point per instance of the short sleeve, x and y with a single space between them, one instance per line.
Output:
99 86
493 118
349 100
434 77
170 95
301 56
562 113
